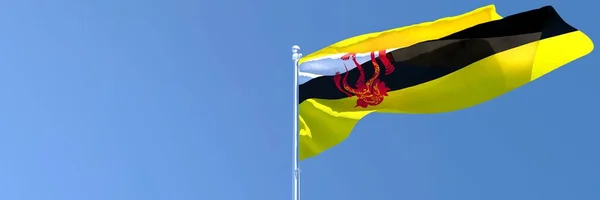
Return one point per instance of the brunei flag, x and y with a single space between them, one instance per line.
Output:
441 66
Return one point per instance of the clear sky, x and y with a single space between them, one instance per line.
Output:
192 100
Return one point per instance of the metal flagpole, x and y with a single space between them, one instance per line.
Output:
296 56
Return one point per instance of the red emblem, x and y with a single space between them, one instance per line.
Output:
369 93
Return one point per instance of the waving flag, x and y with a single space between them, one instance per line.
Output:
441 66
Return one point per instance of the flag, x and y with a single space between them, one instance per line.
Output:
441 66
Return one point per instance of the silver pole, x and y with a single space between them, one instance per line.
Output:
296 57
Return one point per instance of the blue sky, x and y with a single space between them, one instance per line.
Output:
182 100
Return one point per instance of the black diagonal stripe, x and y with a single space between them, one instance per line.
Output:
427 61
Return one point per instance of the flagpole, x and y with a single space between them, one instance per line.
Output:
296 57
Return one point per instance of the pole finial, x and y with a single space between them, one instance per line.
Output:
296 53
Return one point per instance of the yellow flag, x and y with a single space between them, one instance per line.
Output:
446 65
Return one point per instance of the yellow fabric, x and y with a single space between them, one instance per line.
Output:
326 123
330 121
408 35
